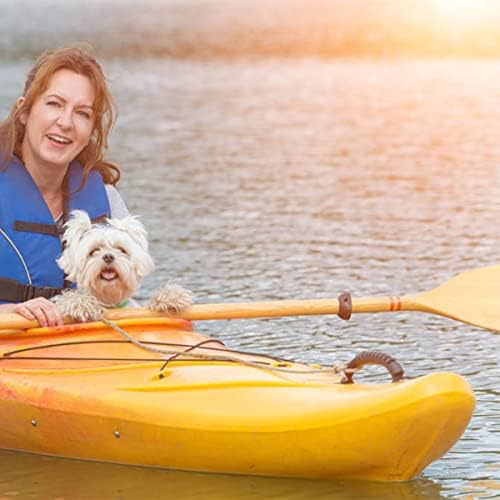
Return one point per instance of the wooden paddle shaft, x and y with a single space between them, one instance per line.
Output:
472 297
280 308
235 310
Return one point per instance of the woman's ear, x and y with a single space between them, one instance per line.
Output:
19 103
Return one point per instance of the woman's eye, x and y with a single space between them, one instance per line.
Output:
85 114
54 103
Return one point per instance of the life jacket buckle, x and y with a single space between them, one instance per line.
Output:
30 292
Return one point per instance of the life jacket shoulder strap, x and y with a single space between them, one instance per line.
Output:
34 227
50 229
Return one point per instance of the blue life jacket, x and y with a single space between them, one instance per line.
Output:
29 237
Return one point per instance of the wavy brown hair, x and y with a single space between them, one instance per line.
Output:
81 62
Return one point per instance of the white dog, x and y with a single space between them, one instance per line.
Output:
107 262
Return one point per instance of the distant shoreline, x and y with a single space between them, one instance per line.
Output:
229 29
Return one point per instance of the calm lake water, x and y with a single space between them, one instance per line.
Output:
302 178
276 178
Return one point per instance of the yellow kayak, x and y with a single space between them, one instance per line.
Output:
188 403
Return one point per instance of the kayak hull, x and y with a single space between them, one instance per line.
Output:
218 416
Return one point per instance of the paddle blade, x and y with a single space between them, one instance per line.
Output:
472 297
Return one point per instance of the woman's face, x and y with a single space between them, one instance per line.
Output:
60 122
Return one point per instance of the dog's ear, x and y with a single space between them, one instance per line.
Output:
78 224
133 227
138 234
145 265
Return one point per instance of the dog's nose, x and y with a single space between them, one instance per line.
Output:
108 258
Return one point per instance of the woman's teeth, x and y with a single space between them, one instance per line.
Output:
59 139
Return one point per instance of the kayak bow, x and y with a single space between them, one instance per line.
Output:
83 391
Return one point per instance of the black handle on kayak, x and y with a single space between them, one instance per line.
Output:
373 358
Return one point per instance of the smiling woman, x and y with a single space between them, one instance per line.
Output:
57 128
52 162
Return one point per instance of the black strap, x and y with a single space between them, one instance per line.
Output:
99 218
14 291
50 229
33 227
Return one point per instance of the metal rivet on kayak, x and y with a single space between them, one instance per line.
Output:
33 423
117 434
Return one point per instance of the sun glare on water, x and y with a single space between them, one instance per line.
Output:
465 12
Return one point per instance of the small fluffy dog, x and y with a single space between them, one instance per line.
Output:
107 262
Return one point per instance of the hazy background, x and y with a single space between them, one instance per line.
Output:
242 28
296 149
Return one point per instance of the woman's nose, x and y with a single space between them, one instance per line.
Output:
65 119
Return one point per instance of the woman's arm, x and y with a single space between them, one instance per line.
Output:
7 308
40 309
116 203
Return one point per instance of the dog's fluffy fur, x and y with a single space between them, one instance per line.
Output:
107 262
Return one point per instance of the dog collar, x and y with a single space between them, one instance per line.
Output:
118 306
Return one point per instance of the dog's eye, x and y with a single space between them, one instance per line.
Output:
93 251
122 250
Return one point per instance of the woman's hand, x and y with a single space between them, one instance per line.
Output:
41 309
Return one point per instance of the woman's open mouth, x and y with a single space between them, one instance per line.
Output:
59 140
